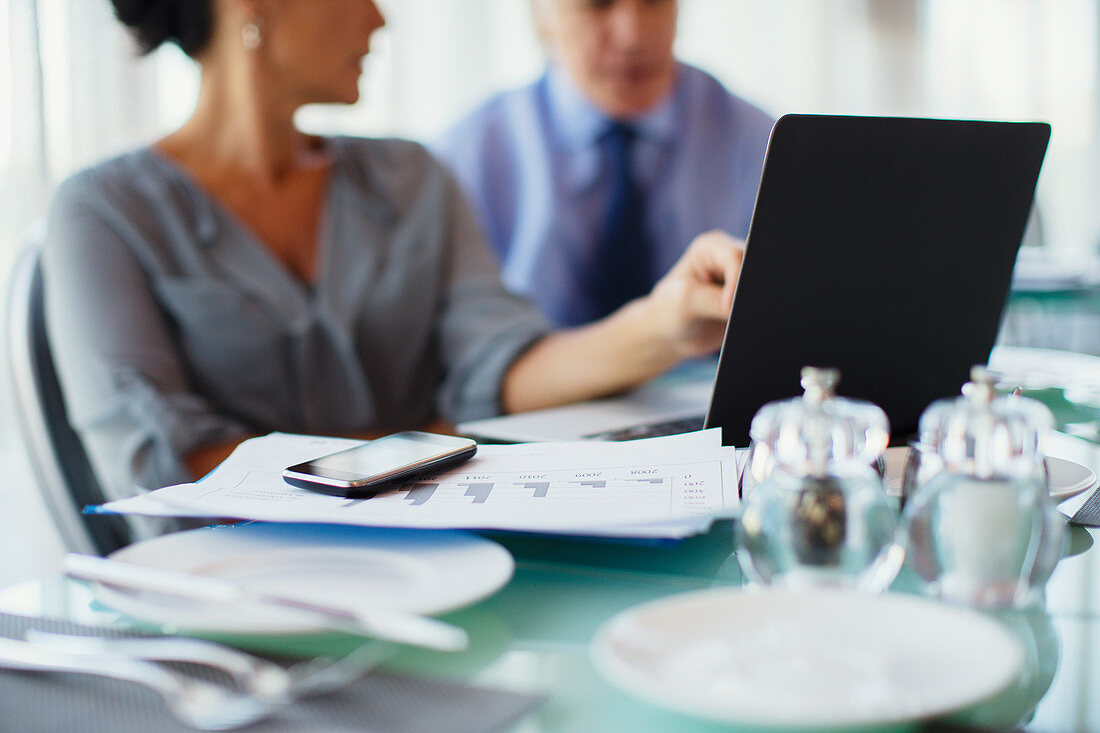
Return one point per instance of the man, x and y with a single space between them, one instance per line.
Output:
591 182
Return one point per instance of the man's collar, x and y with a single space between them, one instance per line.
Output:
580 123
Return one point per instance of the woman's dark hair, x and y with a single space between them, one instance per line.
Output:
186 23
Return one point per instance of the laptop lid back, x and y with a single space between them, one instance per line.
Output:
880 246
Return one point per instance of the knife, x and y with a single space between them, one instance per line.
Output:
380 623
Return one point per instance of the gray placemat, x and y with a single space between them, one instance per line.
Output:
1089 513
382 702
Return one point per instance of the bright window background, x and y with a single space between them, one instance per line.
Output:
1008 59
72 92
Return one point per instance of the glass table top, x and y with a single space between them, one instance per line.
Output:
534 634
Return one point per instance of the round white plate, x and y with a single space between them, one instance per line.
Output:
809 660
423 571
1044 368
1068 478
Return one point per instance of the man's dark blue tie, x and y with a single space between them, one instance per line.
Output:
619 268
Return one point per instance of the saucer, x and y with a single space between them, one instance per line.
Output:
1068 478
421 571
809 660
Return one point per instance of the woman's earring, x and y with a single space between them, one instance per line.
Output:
251 35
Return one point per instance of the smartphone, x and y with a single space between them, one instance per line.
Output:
370 468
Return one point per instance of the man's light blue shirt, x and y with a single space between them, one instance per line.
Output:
533 164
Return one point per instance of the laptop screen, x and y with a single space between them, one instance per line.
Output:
880 246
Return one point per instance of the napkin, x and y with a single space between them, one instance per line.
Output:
381 702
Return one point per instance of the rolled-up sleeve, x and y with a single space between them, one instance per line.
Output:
484 328
127 391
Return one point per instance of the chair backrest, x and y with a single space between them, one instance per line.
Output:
60 464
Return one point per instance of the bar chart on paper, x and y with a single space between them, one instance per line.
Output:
649 491
538 487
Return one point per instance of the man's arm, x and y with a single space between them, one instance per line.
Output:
684 316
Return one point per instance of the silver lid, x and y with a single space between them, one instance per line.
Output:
820 434
985 434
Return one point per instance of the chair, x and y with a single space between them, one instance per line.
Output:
60 464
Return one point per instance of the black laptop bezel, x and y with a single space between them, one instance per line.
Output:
883 246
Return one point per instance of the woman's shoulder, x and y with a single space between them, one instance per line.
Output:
397 169
385 156
138 198
132 179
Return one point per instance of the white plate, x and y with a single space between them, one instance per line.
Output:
810 660
1044 368
423 571
1068 478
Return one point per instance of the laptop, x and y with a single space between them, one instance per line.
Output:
882 246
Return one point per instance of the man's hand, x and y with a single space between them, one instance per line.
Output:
683 316
691 303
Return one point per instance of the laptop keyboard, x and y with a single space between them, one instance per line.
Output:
653 430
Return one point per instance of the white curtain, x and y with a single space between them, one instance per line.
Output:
22 120
71 93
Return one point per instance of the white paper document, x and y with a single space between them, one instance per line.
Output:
673 486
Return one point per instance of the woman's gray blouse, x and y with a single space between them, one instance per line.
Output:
174 327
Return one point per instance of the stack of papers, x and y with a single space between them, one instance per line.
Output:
667 487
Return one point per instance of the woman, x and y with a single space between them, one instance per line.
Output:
239 276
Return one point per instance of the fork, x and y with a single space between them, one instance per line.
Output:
195 703
260 678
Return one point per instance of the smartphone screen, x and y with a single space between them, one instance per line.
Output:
372 465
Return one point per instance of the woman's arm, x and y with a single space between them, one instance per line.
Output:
682 317
126 386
